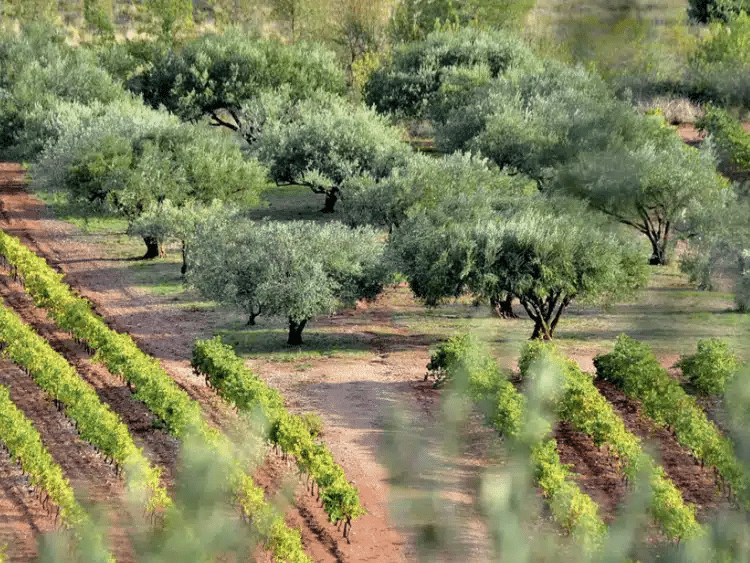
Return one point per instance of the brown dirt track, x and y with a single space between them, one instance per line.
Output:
352 395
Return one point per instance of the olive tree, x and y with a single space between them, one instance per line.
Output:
132 157
564 128
166 222
532 121
425 76
425 182
218 76
545 261
297 269
651 189
327 142
38 73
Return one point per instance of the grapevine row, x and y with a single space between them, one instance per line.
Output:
506 410
234 381
584 407
95 421
153 386
632 367
24 444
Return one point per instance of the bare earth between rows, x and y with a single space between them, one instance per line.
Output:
353 395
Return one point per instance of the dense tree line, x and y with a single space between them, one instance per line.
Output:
540 162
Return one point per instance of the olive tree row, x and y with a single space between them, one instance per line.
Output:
563 128
217 76
130 157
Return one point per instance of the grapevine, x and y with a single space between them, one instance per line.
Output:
95 422
226 372
153 386
583 406
632 367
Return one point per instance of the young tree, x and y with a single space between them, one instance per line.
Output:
327 143
98 14
299 270
171 16
543 260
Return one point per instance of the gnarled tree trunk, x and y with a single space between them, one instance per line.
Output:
295 332
503 308
332 196
152 248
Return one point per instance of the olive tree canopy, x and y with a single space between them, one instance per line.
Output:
546 261
298 270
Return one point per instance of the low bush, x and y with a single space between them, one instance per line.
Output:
709 369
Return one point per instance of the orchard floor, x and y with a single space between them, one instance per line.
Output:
355 387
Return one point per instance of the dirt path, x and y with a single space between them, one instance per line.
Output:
168 333
353 395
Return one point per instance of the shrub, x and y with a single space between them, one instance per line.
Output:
710 367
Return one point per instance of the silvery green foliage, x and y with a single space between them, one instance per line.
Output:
217 75
326 142
425 183
298 270
545 261
131 156
430 76
38 71
563 127
531 120
651 188
122 120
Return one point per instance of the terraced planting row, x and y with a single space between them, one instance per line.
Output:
169 403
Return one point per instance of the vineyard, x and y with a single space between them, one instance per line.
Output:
84 371
385 281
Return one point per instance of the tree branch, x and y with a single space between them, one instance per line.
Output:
218 122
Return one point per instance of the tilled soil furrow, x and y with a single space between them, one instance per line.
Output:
697 484
598 475
94 480
214 410
23 518
161 448
320 543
